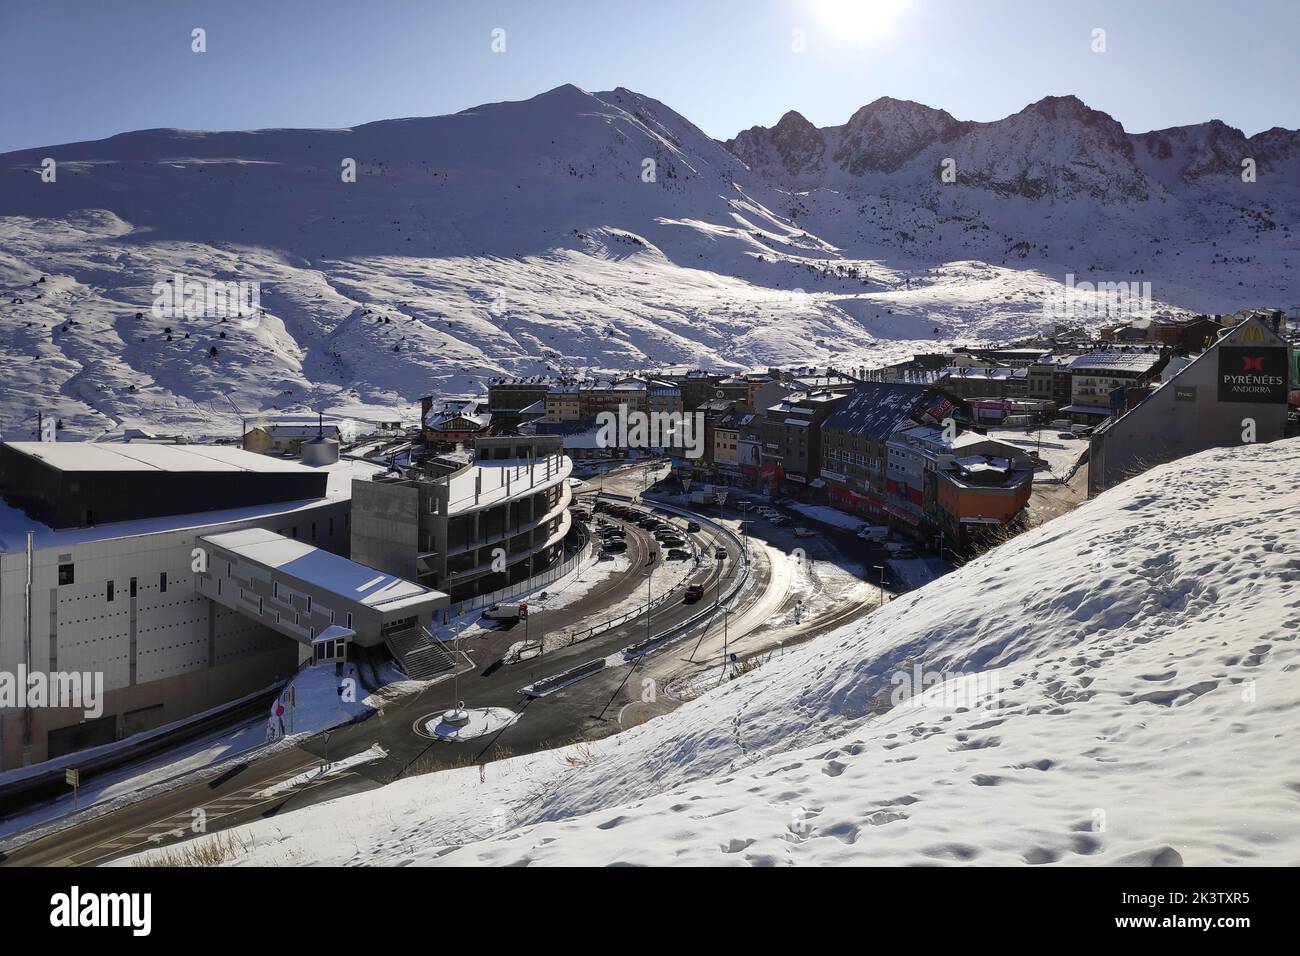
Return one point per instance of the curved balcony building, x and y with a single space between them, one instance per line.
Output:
471 525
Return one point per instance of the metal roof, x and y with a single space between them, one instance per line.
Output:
879 409
105 456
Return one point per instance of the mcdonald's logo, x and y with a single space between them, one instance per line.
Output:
1252 333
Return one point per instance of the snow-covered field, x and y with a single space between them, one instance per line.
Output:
1114 687
514 238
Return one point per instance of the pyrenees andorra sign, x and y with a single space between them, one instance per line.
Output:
1257 374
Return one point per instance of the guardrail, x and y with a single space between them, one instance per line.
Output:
708 612
576 637
548 684
655 640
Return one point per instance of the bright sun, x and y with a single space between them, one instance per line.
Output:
859 19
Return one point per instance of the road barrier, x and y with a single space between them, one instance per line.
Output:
654 641
553 683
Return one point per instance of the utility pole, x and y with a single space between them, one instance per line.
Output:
649 578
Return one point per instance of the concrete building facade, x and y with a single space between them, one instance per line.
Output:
469 526
1236 388
121 598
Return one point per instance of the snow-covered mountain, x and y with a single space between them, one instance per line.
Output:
1116 686
585 230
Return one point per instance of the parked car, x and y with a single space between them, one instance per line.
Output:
582 514
694 592
677 554
876 533
692 526
502 612
778 520
672 541
802 532
614 546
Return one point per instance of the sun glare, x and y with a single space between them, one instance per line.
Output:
859 20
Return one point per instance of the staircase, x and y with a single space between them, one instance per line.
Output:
418 654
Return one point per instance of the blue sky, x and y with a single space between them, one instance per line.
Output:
84 69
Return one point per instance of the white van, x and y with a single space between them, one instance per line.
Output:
876 533
502 612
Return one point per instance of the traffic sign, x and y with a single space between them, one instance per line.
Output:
721 495
73 777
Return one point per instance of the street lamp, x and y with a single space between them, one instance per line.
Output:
881 569
649 580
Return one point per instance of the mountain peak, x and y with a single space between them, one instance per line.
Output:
1069 108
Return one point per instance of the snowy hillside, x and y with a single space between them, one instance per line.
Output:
1119 687
588 231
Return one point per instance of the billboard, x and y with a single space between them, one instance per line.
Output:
1257 374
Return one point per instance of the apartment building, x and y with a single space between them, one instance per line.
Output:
1096 375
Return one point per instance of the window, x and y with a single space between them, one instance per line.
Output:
133 587
162 582
110 591
65 574
313 531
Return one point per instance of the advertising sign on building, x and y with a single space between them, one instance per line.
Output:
1253 374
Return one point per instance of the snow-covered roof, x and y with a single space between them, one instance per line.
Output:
1115 361
322 569
113 456
879 409
14 523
